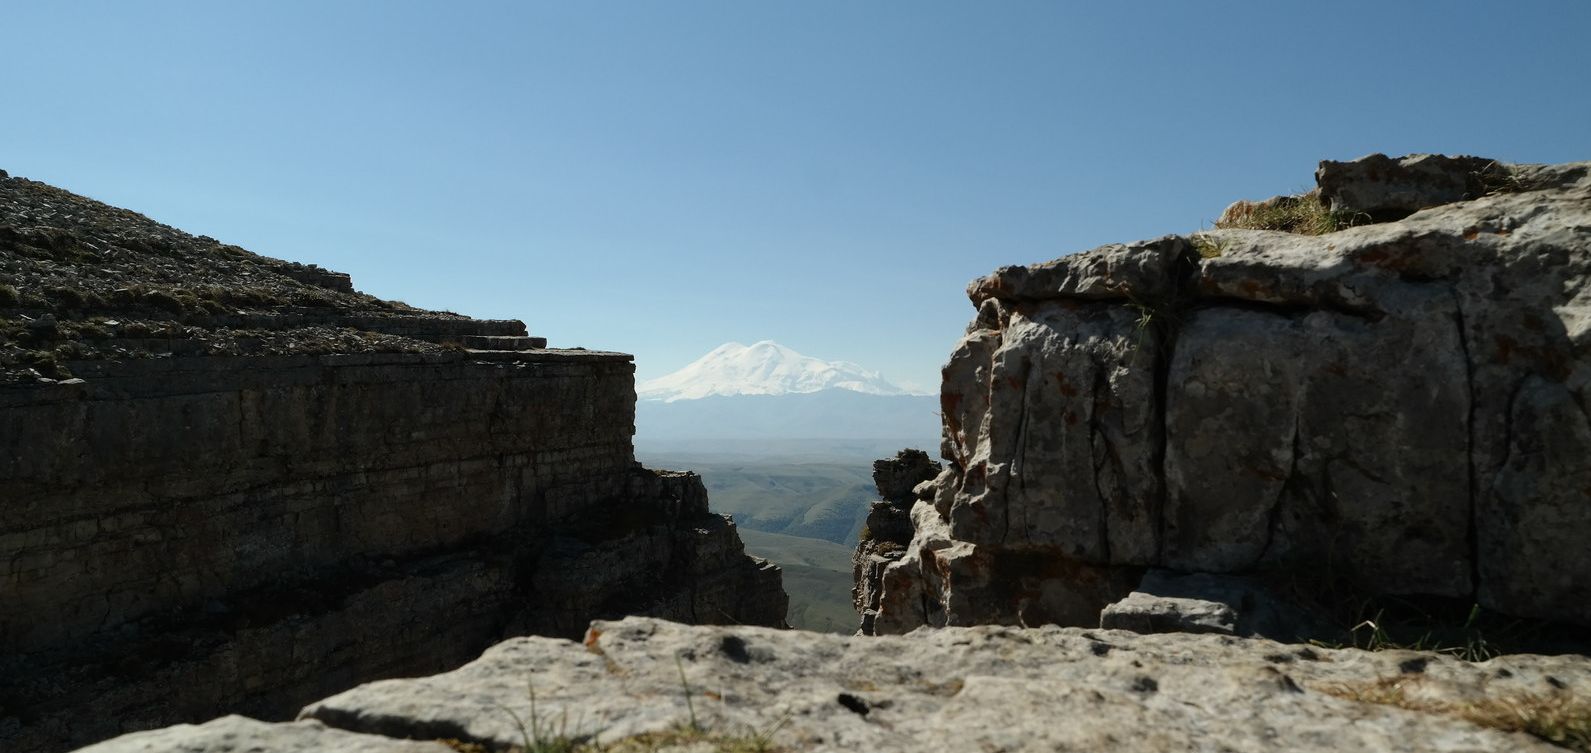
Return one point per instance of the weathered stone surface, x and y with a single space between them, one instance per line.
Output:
1141 271
1326 429
986 688
1391 189
1397 406
897 478
236 734
1171 602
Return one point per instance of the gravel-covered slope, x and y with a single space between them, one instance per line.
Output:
80 279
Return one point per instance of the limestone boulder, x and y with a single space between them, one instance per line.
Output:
237 734
986 688
1398 407
1386 188
1171 602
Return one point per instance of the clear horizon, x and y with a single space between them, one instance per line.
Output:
661 179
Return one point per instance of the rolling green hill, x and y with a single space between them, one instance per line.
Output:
798 503
817 575
820 499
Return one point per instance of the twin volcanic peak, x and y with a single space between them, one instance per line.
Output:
764 368
768 391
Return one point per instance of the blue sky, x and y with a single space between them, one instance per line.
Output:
662 177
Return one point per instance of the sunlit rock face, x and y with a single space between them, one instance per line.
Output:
1399 406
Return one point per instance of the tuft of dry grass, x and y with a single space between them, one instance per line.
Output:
1305 214
1559 718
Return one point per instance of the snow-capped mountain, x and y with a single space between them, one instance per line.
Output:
765 368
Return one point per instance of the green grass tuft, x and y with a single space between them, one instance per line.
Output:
1207 246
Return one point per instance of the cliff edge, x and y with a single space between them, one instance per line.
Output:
235 484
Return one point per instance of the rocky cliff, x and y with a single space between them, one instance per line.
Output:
642 685
1381 385
888 530
233 484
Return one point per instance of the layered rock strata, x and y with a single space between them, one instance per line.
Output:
84 281
642 684
187 535
1400 406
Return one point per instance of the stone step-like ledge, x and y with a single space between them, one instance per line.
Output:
503 342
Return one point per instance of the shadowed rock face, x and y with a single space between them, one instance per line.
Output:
228 527
1401 406
632 683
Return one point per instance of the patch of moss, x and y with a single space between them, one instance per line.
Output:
45 362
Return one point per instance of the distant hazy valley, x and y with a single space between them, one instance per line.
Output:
785 443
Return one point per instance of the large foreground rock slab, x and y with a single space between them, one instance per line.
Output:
985 688
237 734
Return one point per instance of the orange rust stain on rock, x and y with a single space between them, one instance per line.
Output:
1471 233
1506 347
1270 474
1066 385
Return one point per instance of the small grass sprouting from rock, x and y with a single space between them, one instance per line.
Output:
1207 246
545 736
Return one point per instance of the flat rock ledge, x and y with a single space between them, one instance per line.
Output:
983 689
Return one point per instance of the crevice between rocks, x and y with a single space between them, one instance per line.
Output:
1472 536
1289 310
1014 481
1166 336
1100 452
1274 515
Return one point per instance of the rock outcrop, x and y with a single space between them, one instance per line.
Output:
1398 406
238 499
645 685
888 529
